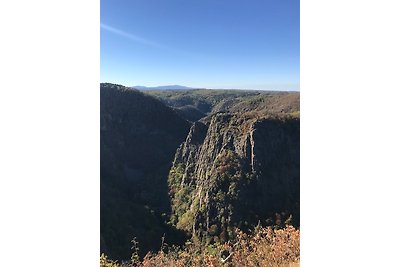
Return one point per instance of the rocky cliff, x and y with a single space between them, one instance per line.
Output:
235 170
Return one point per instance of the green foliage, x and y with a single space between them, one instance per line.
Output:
185 221
175 177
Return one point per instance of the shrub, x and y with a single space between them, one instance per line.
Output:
264 246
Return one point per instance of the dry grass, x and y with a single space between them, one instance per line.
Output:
262 247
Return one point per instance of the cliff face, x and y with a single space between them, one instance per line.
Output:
234 170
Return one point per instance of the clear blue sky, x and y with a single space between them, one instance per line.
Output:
201 43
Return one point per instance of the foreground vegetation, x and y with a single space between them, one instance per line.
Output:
264 246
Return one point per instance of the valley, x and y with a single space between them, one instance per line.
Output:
197 166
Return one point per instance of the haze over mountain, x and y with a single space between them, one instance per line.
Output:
195 164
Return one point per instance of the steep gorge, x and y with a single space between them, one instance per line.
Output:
163 175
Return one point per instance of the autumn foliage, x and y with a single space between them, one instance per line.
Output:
264 246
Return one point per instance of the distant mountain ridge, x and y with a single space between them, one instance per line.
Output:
162 87
197 103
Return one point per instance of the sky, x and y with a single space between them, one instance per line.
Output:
239 44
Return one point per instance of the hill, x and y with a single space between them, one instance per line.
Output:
139 136
203 102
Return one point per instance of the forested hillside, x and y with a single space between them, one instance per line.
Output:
198 103
139 137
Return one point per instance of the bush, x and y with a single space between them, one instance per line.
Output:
264 246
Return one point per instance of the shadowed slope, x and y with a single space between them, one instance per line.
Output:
139 136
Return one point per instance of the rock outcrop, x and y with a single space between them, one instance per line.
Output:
235 170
